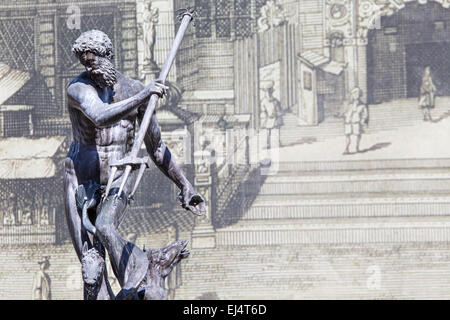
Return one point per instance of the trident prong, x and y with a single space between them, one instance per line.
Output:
138 180
124 180
186 11
110 181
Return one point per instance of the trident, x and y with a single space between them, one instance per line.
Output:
132 162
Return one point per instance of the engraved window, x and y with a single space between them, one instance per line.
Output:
228 17
307 80
17 43
203 19
223 25
243 17
16 123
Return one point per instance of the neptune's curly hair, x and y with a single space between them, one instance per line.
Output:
94 41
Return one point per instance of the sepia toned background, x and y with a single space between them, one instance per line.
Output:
311 223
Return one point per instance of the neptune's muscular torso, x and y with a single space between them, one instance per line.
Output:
94 148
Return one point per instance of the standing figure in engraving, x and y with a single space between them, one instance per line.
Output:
103 107
270 112
27 212
10 216
427 96
41 281
150 19
355 117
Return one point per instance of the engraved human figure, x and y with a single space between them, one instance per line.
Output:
3 210
37 207
355 117
10 216
27 211
44 219
103 106
270 111
41 281
150 19
427 96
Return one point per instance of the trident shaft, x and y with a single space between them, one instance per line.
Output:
131 161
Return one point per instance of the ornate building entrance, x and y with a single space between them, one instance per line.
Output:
403 45
357 21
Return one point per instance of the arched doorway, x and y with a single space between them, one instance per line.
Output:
402 45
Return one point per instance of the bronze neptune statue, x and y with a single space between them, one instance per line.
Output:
102 169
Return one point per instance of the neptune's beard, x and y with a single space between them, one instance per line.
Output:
105 74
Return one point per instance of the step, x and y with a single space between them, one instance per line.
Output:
347 206
346 165
335 231
317 271
357 182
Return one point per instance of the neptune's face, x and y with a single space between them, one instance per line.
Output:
101 69
90 61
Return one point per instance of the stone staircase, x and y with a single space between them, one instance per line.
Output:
346 206
314 271
336 230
